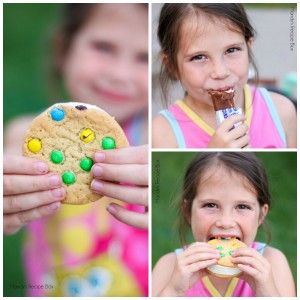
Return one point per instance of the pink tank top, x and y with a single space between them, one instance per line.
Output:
84 251
266 130
236 288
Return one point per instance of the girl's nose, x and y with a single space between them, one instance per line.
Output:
219 70
122 71
225 222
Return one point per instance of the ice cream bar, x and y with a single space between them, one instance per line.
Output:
224 105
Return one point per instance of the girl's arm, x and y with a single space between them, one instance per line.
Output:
287 114
162 134
281 271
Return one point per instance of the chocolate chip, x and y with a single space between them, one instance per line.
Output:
81 107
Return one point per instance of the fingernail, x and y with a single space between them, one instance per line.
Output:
99 157
96 185
55 205
41 167
54 180
57 193
111 209
97 171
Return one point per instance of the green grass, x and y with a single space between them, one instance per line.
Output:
167 175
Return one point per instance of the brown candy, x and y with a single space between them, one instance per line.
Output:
222 100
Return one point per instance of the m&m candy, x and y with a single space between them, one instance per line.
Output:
108 143
87 135
56 156
34 145
86 164
57 114
68 177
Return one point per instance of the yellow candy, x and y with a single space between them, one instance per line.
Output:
212 242
87 135
34 145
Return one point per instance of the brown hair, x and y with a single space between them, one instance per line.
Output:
244 163
171 18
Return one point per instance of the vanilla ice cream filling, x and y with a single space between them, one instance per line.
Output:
226 271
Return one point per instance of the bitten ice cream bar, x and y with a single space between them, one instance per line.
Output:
224 105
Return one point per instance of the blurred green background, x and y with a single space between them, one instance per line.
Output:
27 30
168 170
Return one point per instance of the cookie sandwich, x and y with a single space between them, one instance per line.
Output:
224 266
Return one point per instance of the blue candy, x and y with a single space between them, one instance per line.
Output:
57 114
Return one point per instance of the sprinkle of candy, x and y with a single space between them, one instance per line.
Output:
108 143
230 252
57 114
86 164
34 145
81 107
56 156
68 177
220 248
87 135
222 254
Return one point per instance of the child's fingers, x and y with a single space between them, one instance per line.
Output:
14 222
196 257
130 155
228 123
201 265
16 164
21 184
133 174
130 194
16 203
135 219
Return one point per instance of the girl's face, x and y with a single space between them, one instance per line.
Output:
212 55
107 64
225 206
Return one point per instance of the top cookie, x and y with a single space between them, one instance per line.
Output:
226 247
66 136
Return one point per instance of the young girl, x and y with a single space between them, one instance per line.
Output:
84 250
207 47
224 195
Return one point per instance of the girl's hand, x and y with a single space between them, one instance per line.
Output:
225 137
257 271
112 169
29 193
190 266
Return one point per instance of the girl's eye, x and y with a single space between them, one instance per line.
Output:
243 206
233 50
198 57
103 46
210 205
143 58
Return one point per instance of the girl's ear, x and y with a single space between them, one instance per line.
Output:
250 43
186 212
170 68
263 213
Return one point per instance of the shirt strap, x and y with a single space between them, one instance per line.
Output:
175 127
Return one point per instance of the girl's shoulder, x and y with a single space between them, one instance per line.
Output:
281 271
162 272
162 133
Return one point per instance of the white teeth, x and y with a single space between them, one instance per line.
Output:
229 91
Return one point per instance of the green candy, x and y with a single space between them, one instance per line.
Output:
86 164
230 252
220 248
56 156
222 254
68 177
108 143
